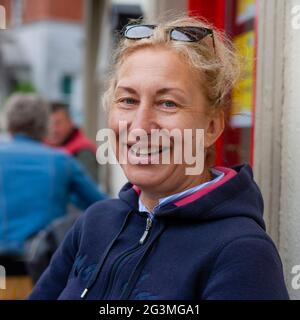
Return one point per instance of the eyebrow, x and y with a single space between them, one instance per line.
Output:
160 91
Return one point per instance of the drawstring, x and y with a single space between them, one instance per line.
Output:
135 274
98 268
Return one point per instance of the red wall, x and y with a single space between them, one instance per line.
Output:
6 4
70 10
228 144
214 12
35 10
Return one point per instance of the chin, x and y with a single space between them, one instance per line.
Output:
145 175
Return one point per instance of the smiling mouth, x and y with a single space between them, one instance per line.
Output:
140 151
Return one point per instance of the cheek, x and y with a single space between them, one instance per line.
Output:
187 121
194 129
113 121
117 114
58 128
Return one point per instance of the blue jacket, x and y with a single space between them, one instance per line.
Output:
35 185
211 247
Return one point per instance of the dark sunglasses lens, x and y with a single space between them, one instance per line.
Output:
138 32
188 34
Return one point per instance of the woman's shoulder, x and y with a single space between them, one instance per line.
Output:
105 212
111 204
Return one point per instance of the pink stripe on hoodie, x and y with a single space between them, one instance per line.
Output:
229 174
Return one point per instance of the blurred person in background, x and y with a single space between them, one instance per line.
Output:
63 133
35 180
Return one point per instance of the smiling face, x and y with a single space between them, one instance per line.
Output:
156 89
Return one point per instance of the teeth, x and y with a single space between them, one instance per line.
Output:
145 151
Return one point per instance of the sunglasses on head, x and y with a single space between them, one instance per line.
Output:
185 34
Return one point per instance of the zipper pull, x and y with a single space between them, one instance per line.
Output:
145 234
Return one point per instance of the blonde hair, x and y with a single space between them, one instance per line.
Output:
218 69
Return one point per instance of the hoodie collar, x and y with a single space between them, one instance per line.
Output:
187 195
235 195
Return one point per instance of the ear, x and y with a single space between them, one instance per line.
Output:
215 127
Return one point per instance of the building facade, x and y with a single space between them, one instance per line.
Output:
45 45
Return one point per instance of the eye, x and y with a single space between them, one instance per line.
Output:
127 101
169 104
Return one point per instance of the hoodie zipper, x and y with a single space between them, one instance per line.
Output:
125 256
146 232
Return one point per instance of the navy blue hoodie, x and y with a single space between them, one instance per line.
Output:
209 245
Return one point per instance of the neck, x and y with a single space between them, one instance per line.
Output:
150 199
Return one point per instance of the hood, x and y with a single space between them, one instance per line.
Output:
236 195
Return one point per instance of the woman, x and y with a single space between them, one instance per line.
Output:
170 235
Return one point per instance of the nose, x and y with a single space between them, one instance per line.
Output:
145 118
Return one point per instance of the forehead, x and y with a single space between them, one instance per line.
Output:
155 65
60 114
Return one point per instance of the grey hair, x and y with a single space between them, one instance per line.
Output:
27 114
